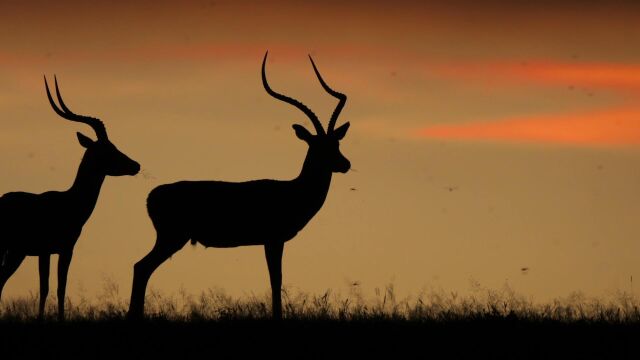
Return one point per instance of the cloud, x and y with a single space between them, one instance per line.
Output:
617 127
601 75
199 52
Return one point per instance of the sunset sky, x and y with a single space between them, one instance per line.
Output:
484 138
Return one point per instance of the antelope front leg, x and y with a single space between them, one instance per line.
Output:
273 252
43 267
63 268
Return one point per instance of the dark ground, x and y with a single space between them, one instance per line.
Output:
500 338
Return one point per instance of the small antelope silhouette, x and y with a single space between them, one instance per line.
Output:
51 222
260 212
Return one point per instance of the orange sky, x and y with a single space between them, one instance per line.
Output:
531 112
610 126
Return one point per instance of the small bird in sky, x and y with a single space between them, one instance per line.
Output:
451 188
353 189
524 270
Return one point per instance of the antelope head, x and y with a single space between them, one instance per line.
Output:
107 159
324 147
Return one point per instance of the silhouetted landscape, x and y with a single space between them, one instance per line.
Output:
487 324
498 140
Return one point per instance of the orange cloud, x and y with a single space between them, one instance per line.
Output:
602 128
606 127
603 75
207 51
599 75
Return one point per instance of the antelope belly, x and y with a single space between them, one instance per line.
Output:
227 242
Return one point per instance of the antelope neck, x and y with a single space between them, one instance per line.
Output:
314 179
86 187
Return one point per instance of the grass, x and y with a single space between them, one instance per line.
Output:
488 323
433 306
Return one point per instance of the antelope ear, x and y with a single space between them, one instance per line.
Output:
340 132
302 133
84 140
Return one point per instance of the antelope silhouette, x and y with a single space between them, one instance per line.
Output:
51 222
259 212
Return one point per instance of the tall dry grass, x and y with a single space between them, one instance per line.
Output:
352 305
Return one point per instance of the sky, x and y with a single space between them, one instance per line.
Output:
485 138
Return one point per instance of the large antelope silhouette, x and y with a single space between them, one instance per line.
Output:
51 222
260 212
